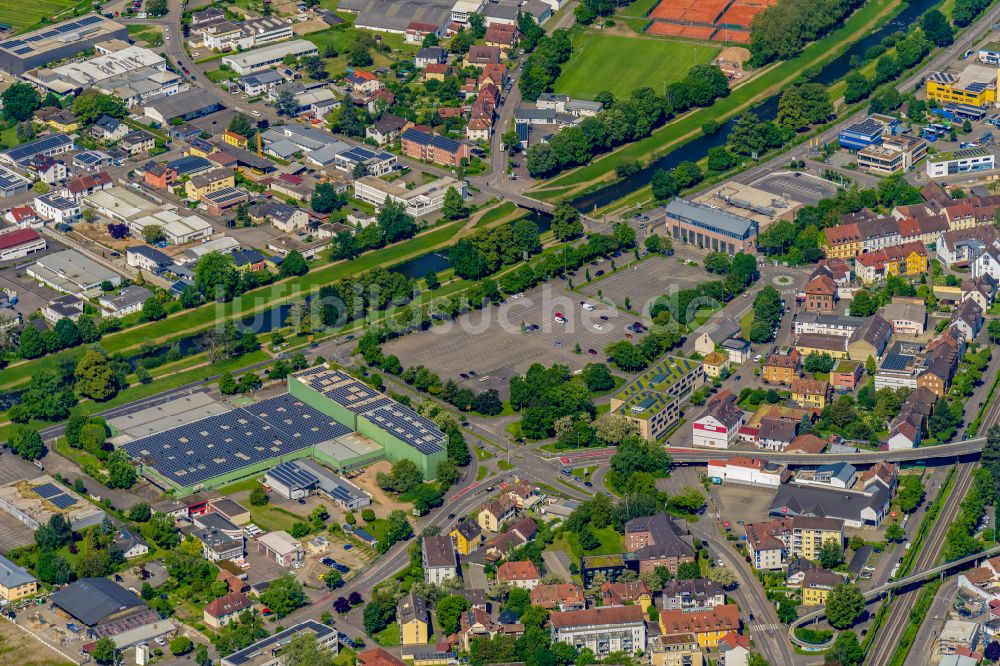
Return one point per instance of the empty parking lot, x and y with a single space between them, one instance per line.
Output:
800 187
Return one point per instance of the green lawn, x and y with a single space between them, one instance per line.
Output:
271 518
9 136
22 16
674 134
611 543
482 454
245 484
597 60
219 75
388 637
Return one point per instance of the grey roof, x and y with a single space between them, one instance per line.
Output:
800 500
332 485
129 296
152 254
839 470
268 76
500 11
12 575
537 8
741 227
535 114
183 103
107 123
439 551
844 321
91 600
410 608
431 53
272 643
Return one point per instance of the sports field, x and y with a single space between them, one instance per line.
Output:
21 14
622 64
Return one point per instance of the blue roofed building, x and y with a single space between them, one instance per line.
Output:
859 135
710 228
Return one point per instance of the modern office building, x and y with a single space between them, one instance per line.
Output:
653 400
976 85
710 228
960 161
57 42
267 651
896 153
860 135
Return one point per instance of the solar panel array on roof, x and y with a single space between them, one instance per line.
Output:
63 501
47 490
223 443
969 152
898 362
23 50
977 87
36 147
405 424
89 20
293 476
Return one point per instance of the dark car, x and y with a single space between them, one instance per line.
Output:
451 516
604 317
600 273
588 484
472 373
327 561
592 351
463 375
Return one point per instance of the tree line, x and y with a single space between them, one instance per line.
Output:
781 31
625 120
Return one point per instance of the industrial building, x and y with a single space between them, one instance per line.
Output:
57 42
750 202
251 62
186 105
47 146
398 429
70 272
19 243
710 228
11 183
301 478
34 502
859 135
265 652
976 85
123 205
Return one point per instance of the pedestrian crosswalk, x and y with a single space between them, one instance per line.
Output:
765 626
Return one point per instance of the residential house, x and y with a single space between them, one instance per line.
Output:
782 368
562 596
136 142
47 169
625 593
718 427
519 574
494 514
226 609
413 619
776 434
657 541
439 560
870 339
468 536
430 55
715 364
907 316
481 56
842 241
708 627
281 216
810 392
821 294
364 82
770 543
158 176
714 332
816 586
835 475
515 536
16 582
130 544
734 650
87 184
676 650
603 630
433 148
697 594
108 129
147 258
501 36
845 376
208 182
387 129
129 300
968 318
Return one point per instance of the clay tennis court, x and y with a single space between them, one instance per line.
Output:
716 20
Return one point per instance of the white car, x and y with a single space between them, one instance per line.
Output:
598 327
589 307
167 37
256 113
195 54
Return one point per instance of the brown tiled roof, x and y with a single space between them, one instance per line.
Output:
233 602
551 596
511 571
720 618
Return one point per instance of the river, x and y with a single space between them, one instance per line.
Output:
767 109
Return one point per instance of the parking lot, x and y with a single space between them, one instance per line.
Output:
739 502
644 282
801 187
493 345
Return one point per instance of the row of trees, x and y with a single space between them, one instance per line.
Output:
542 67
393 224
910 50
625 120
491 249
782 30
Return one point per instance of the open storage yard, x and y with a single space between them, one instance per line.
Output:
597 59
16 647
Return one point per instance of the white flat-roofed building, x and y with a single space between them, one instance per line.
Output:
749 471
268 56
225 35
462 9
70 272
281 547
95 71
604 629
421 200
965 160
125 206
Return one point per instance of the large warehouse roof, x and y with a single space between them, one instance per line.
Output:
266 54
54 36
92 600
222 444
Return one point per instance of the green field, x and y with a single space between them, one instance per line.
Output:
23 15
598 59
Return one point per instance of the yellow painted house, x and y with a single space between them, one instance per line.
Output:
206 183
414 620
810 392
15 581
816 586
468 536
907 259
234 139
975 86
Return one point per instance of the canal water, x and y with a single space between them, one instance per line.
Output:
767 109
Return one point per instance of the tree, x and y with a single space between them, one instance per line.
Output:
597 377
566 222
664 185
94 377
163 531
153 310
910 493
305 650
27 443
449 612
140 512
259 497
92 104
20 101
154 234
895 533
53 569
510 140
180 645
831 554
293 264
541 159
846 650
325 199
104 651
720 159
395 222
844 605
937 29
942 422
360 56
286 103
283 595
863 305
227 384
67 333
333 579
121 472
454 205
724 576
688 571
215 276
242 125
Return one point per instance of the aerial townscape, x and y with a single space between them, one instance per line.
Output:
499 332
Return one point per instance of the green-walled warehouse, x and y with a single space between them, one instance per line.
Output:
400 431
